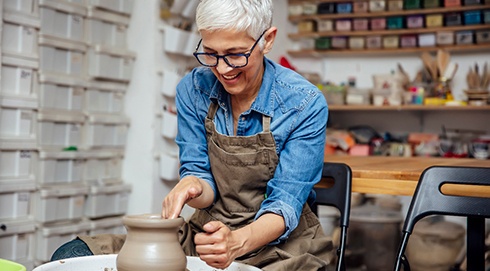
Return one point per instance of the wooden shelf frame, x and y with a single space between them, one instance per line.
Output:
407 108
387 51
387 32
404 12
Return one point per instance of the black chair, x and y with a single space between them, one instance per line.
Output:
339 196
428 199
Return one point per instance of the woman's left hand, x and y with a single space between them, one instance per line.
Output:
218 246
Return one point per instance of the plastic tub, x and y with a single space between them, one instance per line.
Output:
6 265
108 262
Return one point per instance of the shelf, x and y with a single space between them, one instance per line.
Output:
385 13
381 51
407 108
389 31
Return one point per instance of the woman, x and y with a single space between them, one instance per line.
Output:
251 136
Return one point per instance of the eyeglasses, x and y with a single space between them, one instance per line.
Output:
233 60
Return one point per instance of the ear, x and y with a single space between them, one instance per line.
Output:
269 37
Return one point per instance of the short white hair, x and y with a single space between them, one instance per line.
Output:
251 16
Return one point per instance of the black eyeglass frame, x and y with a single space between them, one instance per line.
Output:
224 57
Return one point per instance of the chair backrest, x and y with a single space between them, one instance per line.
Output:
339 196
428 199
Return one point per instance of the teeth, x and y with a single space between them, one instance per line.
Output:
231 77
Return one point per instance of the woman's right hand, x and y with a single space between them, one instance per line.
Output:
189 188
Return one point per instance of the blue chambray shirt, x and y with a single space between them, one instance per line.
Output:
299 114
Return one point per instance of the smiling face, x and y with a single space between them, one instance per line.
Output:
240 82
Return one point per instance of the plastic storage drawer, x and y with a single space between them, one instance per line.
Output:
15 198
105 98
59 203
20 79
105 132
62 20
49 238
110 64
103 167
120 6
17 240
107 225
60 168
107 200
20 35
56 132
106 28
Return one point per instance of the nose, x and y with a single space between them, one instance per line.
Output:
222 66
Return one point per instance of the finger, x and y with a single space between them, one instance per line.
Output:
213 226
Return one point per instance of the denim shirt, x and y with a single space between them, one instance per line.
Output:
299 114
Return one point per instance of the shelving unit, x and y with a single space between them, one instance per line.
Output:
484 26
382 13
407 108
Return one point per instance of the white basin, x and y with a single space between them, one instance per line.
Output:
108 262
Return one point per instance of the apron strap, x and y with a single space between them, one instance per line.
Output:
213 108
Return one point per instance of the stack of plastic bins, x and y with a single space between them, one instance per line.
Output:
109 69
19 27
60 198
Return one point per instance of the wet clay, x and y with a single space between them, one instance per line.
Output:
151 244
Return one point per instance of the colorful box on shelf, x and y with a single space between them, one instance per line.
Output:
360 24
472 2
431 4
339 42
472 17
444 38
324 25
427 40
453 19
433 20
378 23
344 7
391 42
295 9
343 25
483 36
464 37
395 22
411 4
360 6
377 5
373 42
356 43
452 3
415 21
309 8
408 41
326 8
307 26
395 5
486 16
323 43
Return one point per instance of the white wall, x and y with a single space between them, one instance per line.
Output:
140 167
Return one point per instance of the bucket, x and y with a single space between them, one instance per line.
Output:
6 265
435 244
375 232
108 262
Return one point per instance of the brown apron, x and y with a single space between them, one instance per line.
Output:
241 167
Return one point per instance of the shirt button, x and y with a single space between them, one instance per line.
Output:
243 118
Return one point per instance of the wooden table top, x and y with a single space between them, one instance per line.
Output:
397 175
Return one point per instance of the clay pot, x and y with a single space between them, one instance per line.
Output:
151 244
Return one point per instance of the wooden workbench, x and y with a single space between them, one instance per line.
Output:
399 175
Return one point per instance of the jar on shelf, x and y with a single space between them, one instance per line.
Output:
443 89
